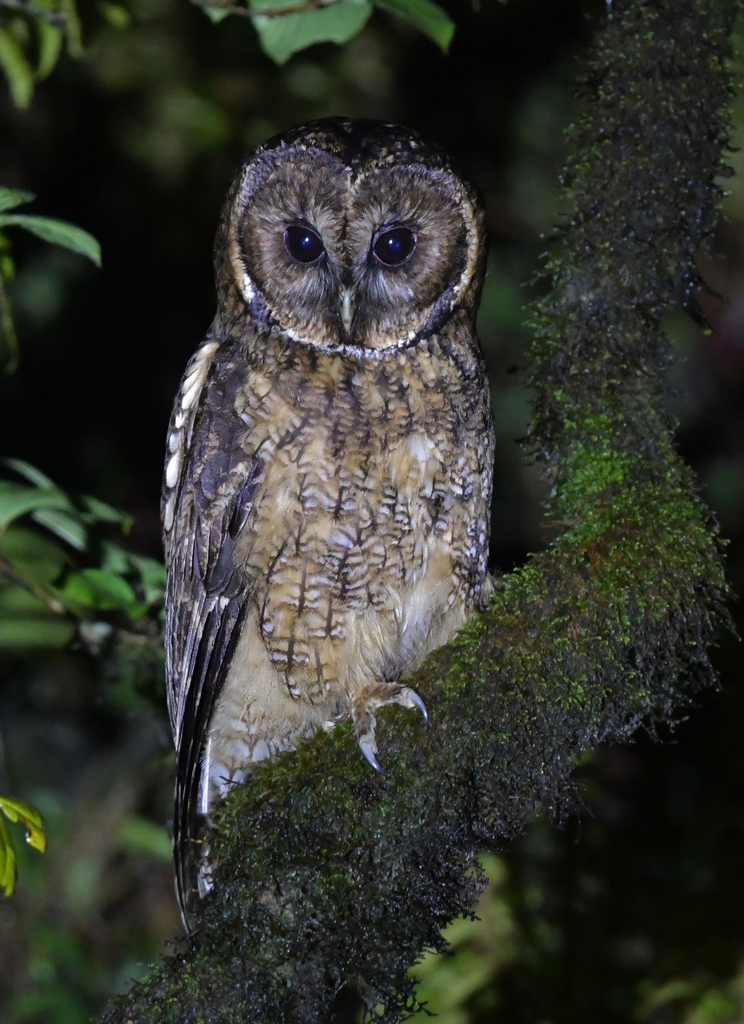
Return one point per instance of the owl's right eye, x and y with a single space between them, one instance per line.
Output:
302 244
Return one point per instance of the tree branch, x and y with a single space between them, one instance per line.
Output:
265 12
330 875
15 573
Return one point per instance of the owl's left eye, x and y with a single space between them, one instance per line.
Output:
303 244
394 246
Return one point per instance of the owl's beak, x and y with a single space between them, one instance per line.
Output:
346 307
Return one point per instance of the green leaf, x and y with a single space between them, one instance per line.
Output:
16 500
26 814
20 633
143 837
30 610
7 860
97 588
152 577
115 558
73 28
64 524
17 69
17 810
217 14
283 35
36 556
50 46
150 574
16 602
116 15
27 471
428 17
59 232
99 512
11 197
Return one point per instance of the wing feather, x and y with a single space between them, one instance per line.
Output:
207 593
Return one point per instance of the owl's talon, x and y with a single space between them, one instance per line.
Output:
416 700
368 749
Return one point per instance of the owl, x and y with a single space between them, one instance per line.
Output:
328 471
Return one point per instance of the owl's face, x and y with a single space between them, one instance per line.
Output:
351 235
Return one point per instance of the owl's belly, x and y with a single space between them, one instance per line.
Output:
358 570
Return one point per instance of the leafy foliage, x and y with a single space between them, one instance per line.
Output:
284 30
478 947
284 27
428 18
287 26
69 574
57 232
17 810
32 37
50 597
283 34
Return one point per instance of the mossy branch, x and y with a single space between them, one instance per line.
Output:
330 875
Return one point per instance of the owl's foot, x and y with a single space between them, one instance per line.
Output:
363 713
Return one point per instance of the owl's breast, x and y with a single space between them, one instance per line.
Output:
361 544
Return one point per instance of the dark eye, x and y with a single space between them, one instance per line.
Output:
302 244
395 246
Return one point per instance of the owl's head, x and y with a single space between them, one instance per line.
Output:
351 236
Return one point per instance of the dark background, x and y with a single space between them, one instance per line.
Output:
633 913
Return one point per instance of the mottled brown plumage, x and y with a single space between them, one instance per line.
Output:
328 475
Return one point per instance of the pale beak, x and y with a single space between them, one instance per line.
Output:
346 307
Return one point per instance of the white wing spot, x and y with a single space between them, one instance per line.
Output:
174 468
169 513
189 396
196 374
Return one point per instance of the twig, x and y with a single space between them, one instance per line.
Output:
7 568
56 18
270 12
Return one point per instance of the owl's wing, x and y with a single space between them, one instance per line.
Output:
207 498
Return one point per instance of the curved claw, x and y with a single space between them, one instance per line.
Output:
368 750
415 699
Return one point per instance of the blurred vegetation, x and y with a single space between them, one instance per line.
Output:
129 120
57 231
